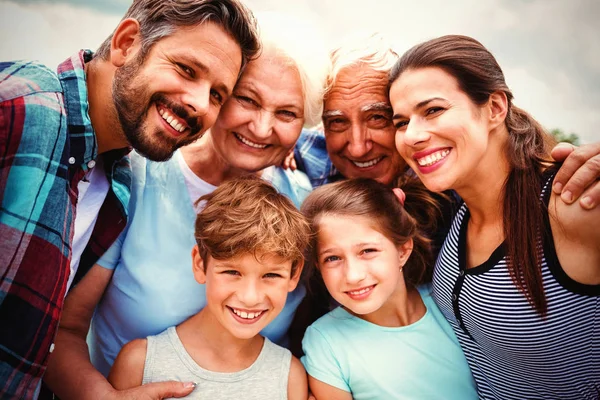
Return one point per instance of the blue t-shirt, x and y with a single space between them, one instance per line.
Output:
153 286
419 361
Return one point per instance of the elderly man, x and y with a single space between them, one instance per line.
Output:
358 137
156 84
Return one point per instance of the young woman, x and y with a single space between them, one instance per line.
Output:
388 339
518 277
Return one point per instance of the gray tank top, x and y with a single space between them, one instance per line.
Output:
265 379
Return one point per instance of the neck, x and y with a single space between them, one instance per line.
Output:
215 348
205 161
483 190
109 134
404 307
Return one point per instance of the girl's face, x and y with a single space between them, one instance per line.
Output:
440 132
360 266
262 120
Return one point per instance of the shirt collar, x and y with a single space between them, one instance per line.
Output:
71 74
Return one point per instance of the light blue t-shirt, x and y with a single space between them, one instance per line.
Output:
419 361
153 286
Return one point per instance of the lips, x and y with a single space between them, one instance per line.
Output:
245 316
368 163
250 143
360 293
432 158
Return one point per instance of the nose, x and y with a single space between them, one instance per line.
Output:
355 271
197 99
359 142
249 293
261 124
414 134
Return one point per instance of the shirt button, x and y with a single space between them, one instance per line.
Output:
91 164
71 160
51 348
462 273
454 297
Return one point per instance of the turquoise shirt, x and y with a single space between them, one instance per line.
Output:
419 361
153 287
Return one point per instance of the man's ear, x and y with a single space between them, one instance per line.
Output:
404 251
498 108
198 266
296 277
125 42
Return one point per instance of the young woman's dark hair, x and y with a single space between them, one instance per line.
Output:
528 150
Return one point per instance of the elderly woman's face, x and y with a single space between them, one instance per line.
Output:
263 118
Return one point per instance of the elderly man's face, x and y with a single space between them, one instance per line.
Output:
358 126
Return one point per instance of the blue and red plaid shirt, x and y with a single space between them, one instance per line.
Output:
47 143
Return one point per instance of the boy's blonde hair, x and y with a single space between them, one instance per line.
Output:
247 215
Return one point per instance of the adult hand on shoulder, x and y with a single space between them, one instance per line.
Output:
579 173
153 391
289 162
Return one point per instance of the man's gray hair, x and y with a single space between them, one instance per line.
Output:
161 18
369 49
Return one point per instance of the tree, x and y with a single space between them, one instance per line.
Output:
560 136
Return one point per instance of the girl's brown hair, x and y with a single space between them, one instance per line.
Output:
375 201
528 150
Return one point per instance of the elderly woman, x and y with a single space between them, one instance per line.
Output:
153 286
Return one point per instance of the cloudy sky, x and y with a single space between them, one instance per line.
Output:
549 49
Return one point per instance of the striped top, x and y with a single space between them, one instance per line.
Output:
514 353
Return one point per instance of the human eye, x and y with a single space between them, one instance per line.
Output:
272 275
336 124
378 120
399 125
330 259
231 272
246 101
217 96
187 70
433 110
369 250
287 115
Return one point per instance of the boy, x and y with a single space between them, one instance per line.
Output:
249 254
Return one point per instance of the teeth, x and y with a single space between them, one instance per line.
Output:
249 143
246 315
432 158
367 164
179 127
361 291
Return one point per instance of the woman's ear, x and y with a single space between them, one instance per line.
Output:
198 266
296 277
498 109
125 42
404 251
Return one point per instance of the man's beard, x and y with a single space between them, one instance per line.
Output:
129 93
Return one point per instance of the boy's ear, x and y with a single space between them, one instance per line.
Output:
125 42
404 251
296 277
198 266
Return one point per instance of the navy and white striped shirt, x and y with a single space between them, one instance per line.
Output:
514 353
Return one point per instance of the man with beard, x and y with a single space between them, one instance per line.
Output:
156 84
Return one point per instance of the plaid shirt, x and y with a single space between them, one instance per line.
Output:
47 143
311 157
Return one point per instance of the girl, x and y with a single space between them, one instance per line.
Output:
388 339
518 277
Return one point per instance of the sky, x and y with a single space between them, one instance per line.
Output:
549 49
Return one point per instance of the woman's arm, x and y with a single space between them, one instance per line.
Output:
323 391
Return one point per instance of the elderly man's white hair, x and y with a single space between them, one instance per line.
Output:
369 49
299 42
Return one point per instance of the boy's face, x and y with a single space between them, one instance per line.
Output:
245 293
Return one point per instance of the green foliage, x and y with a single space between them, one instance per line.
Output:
560 136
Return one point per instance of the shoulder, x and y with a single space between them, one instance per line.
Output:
24 78
297 381
128 368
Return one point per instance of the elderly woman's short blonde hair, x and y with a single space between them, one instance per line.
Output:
298 41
